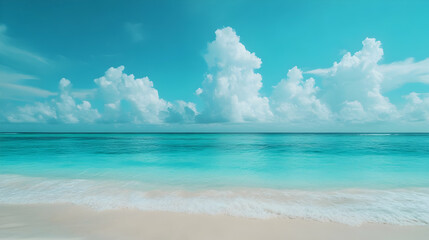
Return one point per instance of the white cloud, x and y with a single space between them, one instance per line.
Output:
182 112
353 111
7 75
11 87
399 73
84 93
11 90
39 112
354 84
417 107
198 91
294 99
70 112
231 91
121 91
61 109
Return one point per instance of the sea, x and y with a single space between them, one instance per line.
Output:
350 178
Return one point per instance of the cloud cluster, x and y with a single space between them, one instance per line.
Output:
130 99
352 90
145 105
125 99
62 108
294 99
352 87
231 91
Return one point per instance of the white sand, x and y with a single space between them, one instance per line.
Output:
75 222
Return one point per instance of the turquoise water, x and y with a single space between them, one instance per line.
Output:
350 178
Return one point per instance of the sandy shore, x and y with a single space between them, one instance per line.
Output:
75 222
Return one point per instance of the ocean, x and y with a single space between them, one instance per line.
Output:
347 178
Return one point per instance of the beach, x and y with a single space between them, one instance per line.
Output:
66 221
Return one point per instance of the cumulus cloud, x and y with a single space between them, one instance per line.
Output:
60 109
136 96
294 99
230 91
182 112
39 112
352 87
70 112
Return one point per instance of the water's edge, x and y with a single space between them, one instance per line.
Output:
348 206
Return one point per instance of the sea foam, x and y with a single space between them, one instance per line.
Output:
349 206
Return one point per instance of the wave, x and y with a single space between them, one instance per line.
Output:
349 206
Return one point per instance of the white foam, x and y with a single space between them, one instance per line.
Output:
349 206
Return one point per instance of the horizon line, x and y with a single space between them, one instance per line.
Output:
209 132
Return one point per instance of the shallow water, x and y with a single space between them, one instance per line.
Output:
350 178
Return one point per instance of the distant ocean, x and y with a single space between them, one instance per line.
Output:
347 178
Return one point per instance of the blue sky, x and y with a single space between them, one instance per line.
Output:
256 45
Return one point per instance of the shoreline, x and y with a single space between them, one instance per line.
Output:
67 221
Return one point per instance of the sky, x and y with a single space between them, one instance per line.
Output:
270 66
